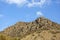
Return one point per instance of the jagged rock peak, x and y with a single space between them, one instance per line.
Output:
38 19
24 28
42 19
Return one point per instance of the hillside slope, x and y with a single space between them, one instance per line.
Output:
40 29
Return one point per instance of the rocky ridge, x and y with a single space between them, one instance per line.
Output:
39 26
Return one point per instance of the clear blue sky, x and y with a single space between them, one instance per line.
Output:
12 11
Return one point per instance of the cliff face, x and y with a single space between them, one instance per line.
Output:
40 29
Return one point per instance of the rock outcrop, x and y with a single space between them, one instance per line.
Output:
40 29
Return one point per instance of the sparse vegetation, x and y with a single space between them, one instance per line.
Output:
5 37
40 29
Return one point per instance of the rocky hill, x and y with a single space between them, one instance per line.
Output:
40 29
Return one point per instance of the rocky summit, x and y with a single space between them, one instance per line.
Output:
39 29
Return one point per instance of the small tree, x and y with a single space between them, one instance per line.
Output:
2 37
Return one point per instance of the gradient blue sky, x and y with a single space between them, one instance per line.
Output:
12 11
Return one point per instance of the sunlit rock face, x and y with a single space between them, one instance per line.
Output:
37 28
